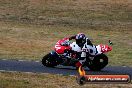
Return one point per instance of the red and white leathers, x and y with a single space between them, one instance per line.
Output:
59 48
83 50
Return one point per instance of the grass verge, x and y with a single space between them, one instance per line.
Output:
43 80
29 28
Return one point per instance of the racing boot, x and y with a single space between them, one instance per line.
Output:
78 64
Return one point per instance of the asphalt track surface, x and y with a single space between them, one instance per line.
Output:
37 67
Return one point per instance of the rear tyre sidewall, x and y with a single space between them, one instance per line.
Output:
98 63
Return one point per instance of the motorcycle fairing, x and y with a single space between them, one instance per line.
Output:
59 48
103 48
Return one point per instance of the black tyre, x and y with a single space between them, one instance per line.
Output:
49 61
98 63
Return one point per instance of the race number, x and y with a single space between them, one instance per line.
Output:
57 47
104 48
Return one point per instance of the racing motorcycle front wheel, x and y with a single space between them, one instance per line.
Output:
49 61
98 63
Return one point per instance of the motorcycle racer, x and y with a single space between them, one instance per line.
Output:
81 41
85 48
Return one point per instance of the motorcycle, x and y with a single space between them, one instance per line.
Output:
96 58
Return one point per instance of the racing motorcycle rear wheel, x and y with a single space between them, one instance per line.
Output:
49 61
98 63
